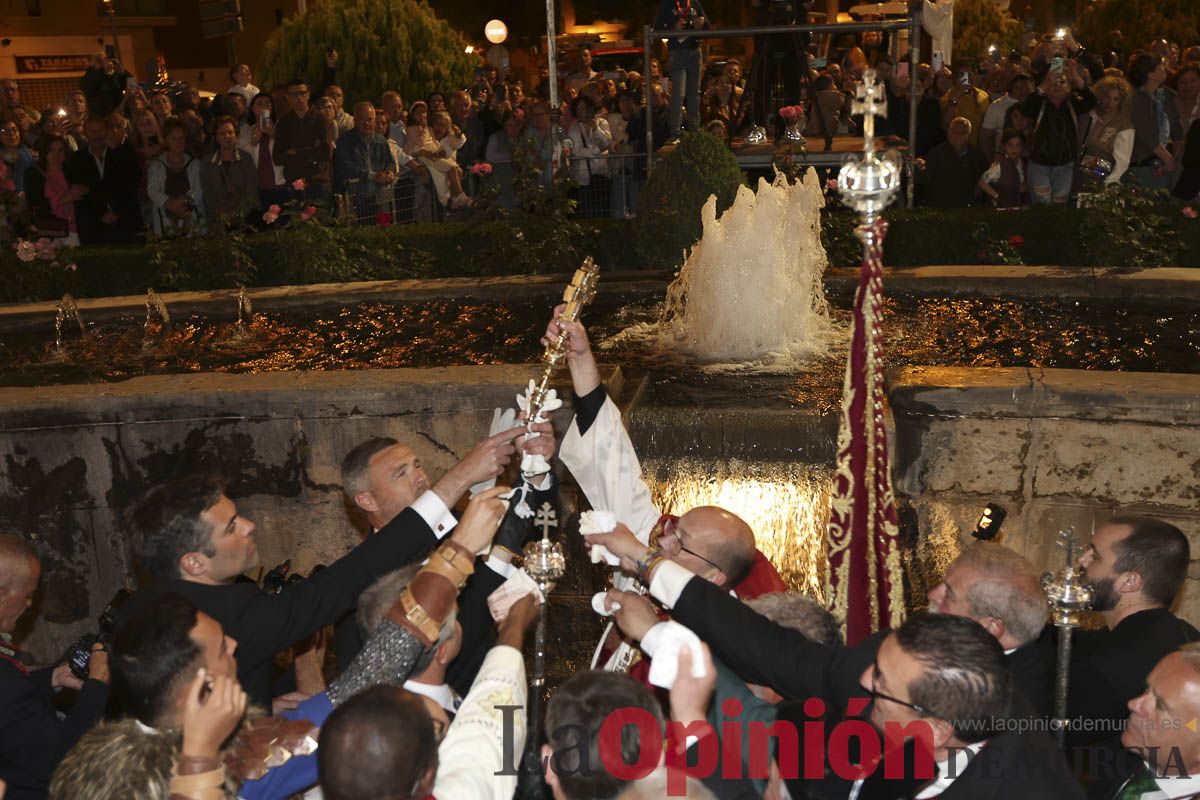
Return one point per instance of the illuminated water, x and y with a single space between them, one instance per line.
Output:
934 331
751 289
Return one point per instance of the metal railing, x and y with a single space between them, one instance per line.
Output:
608 184
411 198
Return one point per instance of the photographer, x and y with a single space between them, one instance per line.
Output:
32 737
104 84
684 58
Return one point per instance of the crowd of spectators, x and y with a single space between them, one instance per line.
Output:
223 686
1043 124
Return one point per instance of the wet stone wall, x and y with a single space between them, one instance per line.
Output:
72 458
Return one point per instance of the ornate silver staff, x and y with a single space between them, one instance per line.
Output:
865 581
1069 596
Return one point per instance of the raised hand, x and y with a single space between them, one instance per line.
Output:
690 695
478 525
487 460
209 716
636 616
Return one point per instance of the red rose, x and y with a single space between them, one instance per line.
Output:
1017 240
383 218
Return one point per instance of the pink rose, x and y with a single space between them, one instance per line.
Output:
272 214
44 248
299 185
831 184
1190 212
26 250
482 168
308 213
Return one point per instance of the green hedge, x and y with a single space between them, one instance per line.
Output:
314 253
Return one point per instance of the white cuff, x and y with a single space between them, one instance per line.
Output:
500 567
668 582
653 636
434 512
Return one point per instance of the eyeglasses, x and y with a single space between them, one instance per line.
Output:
671 533
878 695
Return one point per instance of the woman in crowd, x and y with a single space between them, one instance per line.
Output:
419 141
1004 181
722 102
256 136
50 197
54 123
173 181
1152 162
1056 109
435 103
443 166
228 179
13 151
501 147
1107 135
146 140
1183 108
590 142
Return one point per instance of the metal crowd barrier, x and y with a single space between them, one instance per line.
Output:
410 199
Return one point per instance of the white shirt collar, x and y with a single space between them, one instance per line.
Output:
440 693
949 769
1172 788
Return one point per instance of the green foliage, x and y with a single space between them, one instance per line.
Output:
381 44
978 24
1140 22
668 207
1127 229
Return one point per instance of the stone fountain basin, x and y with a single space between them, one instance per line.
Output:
1056 447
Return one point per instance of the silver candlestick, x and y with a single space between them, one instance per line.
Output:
1069 596
544 562
869 184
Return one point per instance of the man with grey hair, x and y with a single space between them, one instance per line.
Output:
1162 750
1002 591
33 739
428 678
948 175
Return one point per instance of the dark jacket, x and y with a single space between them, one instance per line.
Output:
265 624
304 146
1109 668
115 191
950 180
104 92
669 14
1189 180
32 737
1056 128
1011 764
229 191
357 159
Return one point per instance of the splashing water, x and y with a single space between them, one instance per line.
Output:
751 288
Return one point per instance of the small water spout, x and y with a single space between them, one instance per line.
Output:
245 311
155 306
66 309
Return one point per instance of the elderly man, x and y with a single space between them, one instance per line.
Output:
1162 748
1136 567
33 739
712 542
363 164
949 174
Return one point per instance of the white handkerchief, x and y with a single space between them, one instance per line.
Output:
599 521
512 590
598 605
501 421
665 663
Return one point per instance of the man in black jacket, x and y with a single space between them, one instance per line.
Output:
1136 567
938 679
107 212
32 737
189 535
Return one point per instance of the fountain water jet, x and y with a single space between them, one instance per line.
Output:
67 309
751 289
154 306
245 311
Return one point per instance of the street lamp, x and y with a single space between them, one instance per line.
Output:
495 31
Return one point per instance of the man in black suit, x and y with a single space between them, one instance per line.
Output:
1001 590
382 477
33 739
1136 567
189 536
939 679
107 177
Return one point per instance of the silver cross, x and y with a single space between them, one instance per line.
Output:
868 101
546 519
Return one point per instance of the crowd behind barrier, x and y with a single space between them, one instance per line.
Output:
1049 122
